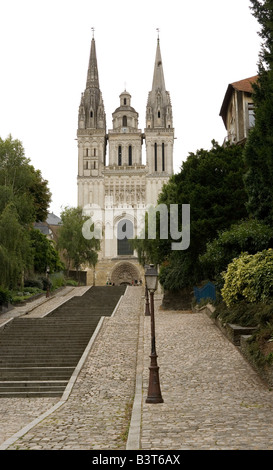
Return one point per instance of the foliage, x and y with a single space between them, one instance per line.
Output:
15 249
45 253
5 296
246 236
57 280
249 278
245 314
259 146
77 249
24 198
211 181
21 184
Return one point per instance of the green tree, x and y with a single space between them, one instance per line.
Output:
21 184
45 253
259 147
16 254
211 181
77 249
248 236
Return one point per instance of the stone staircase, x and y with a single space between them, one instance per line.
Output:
39 355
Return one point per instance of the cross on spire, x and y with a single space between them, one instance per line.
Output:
93 31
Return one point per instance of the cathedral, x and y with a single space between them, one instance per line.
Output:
112 178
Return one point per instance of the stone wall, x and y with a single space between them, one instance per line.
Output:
239 335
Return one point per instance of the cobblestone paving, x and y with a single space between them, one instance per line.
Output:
15 413
213 399
96 413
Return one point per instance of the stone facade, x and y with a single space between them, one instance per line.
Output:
112 178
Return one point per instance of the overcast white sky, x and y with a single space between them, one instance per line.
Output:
45 45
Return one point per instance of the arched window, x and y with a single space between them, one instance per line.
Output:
119 156
155 156
130 155
124 121
125 232
91 114
163 157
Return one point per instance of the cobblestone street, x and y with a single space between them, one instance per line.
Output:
213 399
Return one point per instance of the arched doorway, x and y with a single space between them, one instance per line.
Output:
125 273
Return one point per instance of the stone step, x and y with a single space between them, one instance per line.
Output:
39 355
30 394
33 386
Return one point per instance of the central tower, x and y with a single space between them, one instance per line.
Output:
126 186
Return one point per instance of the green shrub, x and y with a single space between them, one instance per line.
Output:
71 282
245 314
35 282
57 280
249 278
5 296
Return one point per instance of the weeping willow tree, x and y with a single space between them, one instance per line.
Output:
16 255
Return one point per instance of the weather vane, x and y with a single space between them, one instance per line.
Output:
158 30
93 30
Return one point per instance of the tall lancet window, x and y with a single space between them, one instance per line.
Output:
130 162
125 232
155 156
119 156
163 157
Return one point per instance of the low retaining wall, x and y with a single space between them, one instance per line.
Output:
239 336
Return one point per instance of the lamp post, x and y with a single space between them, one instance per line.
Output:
147 307
154 392
47 281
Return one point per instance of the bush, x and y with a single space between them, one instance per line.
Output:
71 282
34 283
245 314
57 280
249 278
249 236
5 296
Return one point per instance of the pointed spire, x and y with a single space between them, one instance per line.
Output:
159 108
92 74
91 111
158 79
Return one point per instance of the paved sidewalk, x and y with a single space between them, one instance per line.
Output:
213 399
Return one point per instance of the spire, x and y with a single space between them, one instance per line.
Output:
91 111
158 79
159 108
92 74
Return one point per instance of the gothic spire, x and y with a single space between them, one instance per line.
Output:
159 108
158 79
92 74
91 112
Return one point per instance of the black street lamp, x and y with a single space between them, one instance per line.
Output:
154 392
147 307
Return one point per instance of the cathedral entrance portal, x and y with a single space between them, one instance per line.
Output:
125 273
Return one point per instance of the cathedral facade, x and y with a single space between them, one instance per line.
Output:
115 183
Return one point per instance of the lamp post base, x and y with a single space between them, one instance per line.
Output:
154 392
